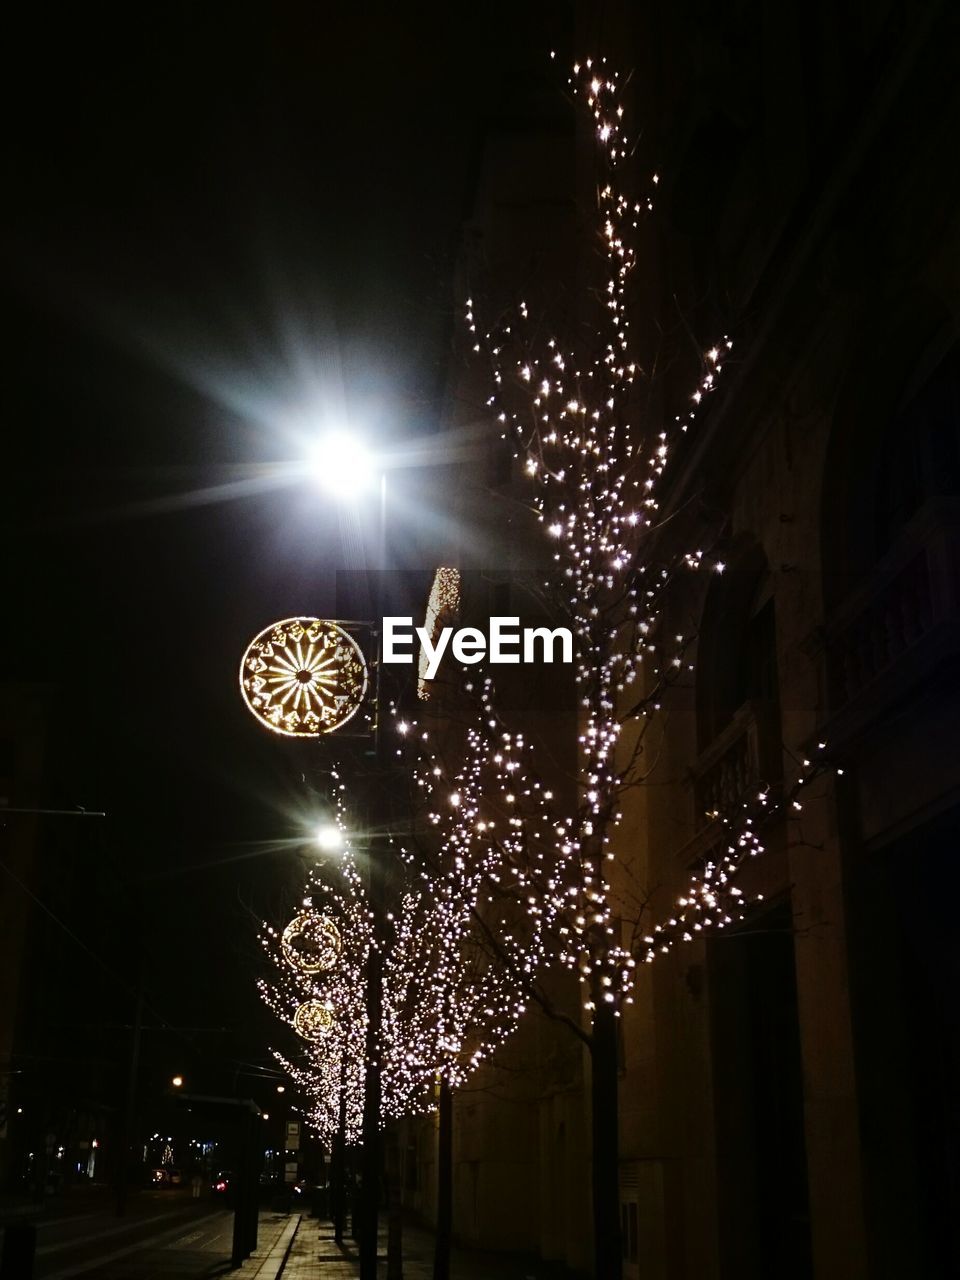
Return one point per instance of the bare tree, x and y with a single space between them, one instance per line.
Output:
572 410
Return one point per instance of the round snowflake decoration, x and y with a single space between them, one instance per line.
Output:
311 942
303 677
312 1020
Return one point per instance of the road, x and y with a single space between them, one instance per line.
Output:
165 1235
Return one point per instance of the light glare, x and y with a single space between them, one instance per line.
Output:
342 465
330 838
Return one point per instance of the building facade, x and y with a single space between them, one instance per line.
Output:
787 1091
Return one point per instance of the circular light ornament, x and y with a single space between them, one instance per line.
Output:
312 1020
311 942
303 677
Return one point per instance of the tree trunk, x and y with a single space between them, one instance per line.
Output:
604 1085
394 1211
338 1164
441 1254
371 1163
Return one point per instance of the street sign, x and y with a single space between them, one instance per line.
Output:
292 1142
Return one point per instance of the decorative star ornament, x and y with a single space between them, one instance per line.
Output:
303 677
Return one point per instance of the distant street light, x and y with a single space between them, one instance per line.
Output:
265 1115
281 1088
177 1082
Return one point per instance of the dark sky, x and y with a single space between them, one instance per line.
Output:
225 227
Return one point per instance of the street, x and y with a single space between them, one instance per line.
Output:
164 1234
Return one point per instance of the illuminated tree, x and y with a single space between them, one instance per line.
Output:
446 1005
574 412
318 990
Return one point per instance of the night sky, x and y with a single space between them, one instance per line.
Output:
225 229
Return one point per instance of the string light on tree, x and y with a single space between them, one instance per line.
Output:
591 453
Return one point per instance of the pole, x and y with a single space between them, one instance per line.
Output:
441 1254
338 1171
130 1110
372 1155
604 1083
394 1218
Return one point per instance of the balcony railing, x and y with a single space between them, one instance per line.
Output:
744 757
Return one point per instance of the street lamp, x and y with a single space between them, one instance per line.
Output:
330 838
177 1082
345 468
305 677
342 464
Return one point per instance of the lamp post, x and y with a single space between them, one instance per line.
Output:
344 468
289 679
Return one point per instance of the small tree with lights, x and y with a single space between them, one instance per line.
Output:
446 1003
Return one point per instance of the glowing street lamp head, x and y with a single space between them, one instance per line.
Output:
342 465
330 838
177 1082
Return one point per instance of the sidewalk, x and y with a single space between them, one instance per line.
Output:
314 1255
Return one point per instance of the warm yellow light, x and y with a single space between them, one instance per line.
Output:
443 603
312 1020
311 942
177 1082
281 1088
303 677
